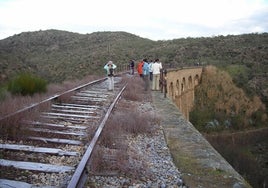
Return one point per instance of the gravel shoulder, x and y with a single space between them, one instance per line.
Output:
149 158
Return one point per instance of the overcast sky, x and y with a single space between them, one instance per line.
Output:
152 19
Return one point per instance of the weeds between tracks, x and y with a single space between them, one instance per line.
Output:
127 120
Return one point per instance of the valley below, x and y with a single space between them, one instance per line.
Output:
246 151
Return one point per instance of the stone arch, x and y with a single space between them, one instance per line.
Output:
183 85
196 80
171 89
190 82
180 87
190 94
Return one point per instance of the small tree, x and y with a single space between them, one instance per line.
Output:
27 84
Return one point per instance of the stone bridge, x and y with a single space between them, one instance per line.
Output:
180 85
201 164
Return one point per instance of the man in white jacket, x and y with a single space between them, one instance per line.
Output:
156 67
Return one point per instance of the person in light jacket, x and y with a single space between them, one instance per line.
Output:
109 67
156 67
146 73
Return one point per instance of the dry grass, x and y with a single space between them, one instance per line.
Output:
65 98
217 94
134 90
17 102
133 122
13 127
113 155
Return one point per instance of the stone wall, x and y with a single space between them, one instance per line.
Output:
180 87
200 164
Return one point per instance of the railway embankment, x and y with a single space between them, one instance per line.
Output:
200 164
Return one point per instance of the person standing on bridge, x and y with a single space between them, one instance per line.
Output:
109 67
139 68
156 67
150 70
146 73
131 65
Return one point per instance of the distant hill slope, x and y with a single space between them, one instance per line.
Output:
59 55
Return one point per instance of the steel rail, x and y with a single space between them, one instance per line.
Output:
80 170
51 98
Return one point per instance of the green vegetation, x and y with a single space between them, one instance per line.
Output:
3 93
246 151
241 74
27 84
57 55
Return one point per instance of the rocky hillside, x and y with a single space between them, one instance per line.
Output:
59 55
220 104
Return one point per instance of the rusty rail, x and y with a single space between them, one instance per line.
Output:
50 99
77 177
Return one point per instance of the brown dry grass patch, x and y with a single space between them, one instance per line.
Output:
14 127
112 155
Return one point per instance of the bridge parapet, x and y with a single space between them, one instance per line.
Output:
180 84
201 165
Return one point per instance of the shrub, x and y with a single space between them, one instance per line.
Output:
199 118
258 118
27 84
3 93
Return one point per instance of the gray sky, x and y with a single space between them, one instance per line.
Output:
152 19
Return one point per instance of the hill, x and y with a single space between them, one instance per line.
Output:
60 55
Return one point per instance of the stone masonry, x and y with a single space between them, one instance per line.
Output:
202 166
180 87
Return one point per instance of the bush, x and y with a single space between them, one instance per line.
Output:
27 84
3 93
199 118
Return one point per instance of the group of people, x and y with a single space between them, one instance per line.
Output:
149 71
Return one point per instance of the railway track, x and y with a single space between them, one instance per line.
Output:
53 149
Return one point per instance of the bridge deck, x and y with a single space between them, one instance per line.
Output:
200 163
